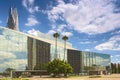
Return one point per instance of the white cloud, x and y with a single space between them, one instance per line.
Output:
87 16
85 42
39 34
61 29
87 49
112 44
36 8
111 56
32 21
51 32
31 1
88 42
24 3
67 34
29 5
33 32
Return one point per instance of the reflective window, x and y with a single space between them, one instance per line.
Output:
95 59
59 54
13 50
16 46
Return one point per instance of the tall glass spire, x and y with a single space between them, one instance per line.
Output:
12 22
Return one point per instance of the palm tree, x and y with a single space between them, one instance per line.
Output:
56 35
64 38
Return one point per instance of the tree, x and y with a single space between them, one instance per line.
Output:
26 68
119 67
9 69
57 67
64 38
115 68
8 72
56 35
112 67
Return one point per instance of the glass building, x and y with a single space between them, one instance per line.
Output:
89 61
19 50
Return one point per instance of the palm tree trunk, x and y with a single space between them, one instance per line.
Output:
64 49
56 48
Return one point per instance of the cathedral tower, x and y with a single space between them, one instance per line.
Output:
12 21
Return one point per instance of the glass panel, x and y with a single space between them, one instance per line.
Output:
60 53
95 59
13 50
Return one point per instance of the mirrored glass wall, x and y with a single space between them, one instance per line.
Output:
18 50
94 60
13 50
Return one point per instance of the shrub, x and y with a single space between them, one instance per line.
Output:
57 67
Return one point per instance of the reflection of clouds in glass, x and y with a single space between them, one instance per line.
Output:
13 42
60 53
91 58
9 60
21 55
18 64
13 49
102 60
5 56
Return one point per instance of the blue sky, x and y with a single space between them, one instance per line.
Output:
92 25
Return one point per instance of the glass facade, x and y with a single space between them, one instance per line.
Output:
18 50
38 52
13 50
83 61
59 54
75 60
95 62
91 58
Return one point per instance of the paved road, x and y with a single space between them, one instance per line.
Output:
78 79
104 77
